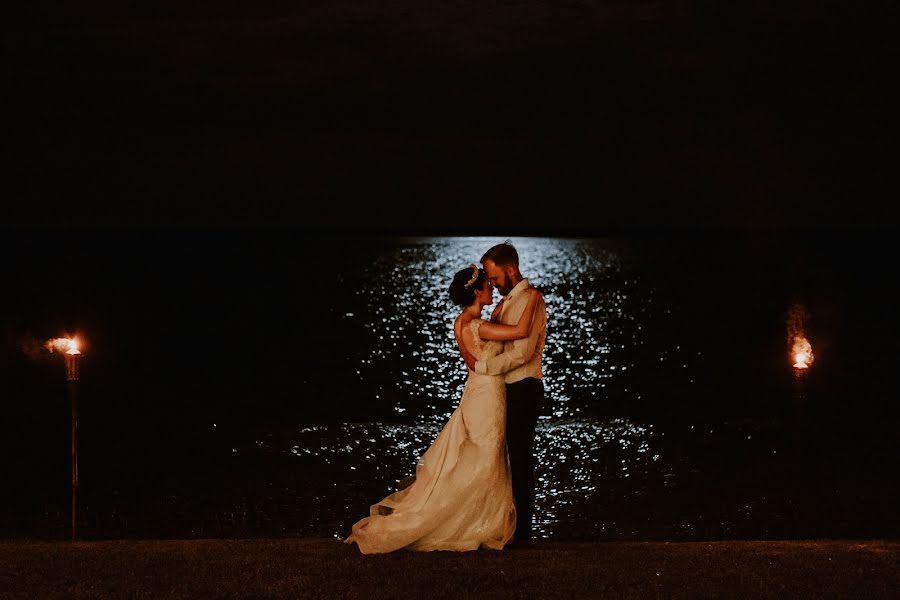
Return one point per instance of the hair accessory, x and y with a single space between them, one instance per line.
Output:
475 275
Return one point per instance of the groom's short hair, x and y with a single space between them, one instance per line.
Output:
502 255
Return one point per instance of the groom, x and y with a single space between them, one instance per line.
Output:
520 365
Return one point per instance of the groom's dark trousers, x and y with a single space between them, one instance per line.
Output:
524 400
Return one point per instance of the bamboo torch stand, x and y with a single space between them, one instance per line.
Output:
72 376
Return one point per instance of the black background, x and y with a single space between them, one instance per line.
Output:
508 117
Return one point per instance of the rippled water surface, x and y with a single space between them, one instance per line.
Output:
288 387
595 308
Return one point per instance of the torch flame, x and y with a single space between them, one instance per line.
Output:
67 345
802 352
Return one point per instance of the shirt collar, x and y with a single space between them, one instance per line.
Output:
521 286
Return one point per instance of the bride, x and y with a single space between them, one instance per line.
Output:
461 497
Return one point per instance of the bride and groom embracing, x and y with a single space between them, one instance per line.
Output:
474 487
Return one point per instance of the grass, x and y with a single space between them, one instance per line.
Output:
324 568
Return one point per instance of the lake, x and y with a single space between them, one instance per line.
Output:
277 383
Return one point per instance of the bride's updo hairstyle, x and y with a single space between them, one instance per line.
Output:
465 282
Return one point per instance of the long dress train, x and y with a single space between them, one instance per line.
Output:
462 497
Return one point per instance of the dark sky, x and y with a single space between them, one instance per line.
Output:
413 116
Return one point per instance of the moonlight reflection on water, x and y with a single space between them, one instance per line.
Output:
573 459
594 311
671 412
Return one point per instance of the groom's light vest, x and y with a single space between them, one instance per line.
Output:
520 358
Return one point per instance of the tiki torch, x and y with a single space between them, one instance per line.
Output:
802 355
72 357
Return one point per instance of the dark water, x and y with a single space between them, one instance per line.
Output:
276 384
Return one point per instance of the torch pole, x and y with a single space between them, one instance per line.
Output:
72 383
801 414
799 384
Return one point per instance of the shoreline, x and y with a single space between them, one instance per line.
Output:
326 568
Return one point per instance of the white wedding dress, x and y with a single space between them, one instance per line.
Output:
462 497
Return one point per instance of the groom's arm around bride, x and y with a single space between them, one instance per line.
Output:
521 353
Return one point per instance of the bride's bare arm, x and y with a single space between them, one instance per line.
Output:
500 332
